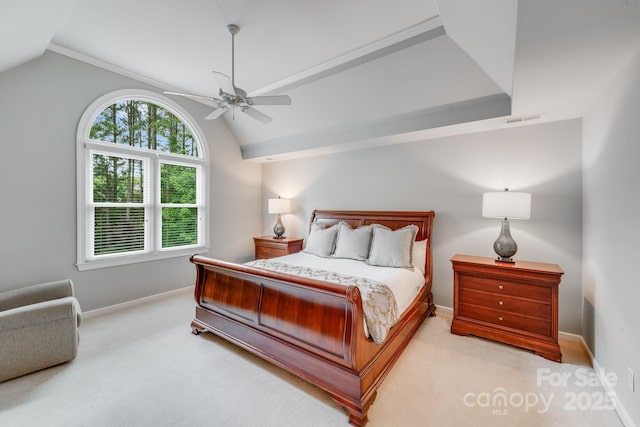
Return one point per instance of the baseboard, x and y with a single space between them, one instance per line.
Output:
568 336
617 404
443 309
128 304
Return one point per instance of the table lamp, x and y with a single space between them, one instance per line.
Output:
506 205
279 206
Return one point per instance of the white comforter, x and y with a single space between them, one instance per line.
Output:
405 284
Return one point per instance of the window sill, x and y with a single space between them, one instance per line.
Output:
134 259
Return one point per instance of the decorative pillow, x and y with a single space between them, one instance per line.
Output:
419 255
392 248
321 241
354 244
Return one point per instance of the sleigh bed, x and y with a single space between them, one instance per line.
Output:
312 328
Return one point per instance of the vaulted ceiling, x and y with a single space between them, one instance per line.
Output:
360 72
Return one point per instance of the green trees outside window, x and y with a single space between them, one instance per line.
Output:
118 181
178 198
143 124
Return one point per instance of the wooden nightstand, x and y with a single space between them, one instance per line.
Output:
514 303
268 247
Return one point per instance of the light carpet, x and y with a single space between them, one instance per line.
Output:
141 366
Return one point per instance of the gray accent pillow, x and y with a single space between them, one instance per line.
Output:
321 241
353 244
392 248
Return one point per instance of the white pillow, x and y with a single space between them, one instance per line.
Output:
321 241
419 255
353 244
392 248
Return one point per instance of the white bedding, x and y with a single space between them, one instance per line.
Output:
405 284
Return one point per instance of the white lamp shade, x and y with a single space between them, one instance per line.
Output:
279 206
506 204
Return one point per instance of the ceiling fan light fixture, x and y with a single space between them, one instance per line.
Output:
231 96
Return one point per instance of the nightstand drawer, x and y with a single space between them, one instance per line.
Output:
506 303
505 287
502 318
267 252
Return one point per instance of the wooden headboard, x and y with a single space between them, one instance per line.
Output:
391 219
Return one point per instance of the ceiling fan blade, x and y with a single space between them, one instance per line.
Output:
190 95
216 113
258 115
269 100
225 83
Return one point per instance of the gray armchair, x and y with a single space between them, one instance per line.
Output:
38 328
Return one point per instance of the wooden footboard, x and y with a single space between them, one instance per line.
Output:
313 329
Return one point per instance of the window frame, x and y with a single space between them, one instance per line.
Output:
159 205
152 159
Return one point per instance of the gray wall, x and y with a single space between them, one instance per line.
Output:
448 176
40 105
611 233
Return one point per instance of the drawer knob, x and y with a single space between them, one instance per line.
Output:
501 302
500 287
500 318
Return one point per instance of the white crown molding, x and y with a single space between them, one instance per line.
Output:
53 47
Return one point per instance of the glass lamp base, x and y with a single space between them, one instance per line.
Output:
504 245
278 229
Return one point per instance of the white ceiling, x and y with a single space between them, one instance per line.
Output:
360 72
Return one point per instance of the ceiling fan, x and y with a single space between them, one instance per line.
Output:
231 96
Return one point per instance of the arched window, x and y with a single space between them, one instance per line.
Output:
142 174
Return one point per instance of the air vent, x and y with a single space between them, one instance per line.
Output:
520 119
